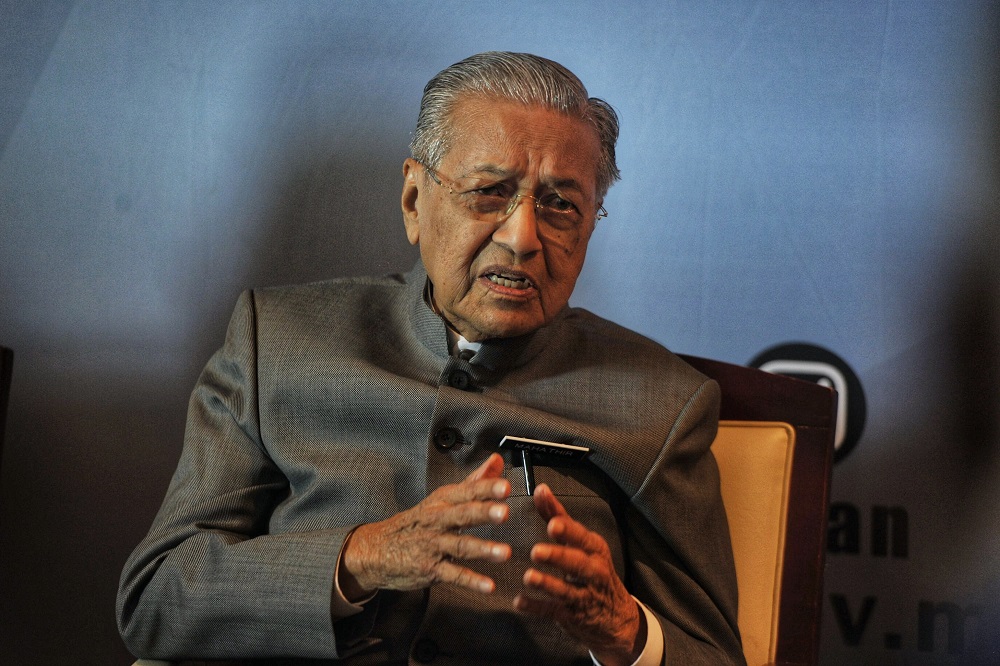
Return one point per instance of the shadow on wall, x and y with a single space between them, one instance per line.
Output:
931 594
975 310
96 428
337 216
975 413
334 213
970 365
976 380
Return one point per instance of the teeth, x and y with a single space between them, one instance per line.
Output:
506 282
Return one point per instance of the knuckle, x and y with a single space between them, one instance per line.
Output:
475 513
463 577
466 546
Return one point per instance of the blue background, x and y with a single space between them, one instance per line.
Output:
820 172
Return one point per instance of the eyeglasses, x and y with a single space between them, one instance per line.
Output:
497 202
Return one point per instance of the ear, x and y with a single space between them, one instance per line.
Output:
411 191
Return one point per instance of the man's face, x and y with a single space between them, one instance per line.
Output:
497 277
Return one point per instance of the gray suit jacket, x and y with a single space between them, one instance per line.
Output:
332 404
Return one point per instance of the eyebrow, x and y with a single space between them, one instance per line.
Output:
500 172
488 169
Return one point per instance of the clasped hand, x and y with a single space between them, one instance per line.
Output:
424 546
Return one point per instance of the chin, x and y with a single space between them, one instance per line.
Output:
489 321
511 329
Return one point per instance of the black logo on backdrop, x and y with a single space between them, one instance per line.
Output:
816 364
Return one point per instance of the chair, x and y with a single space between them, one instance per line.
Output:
6 367
775 455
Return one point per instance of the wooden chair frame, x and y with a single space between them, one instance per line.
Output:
753 395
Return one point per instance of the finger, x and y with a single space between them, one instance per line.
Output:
468 547
471 491
448 516
454 574
569 532
561 591
485 482
562 527
489 488
572 563
492 467
546 503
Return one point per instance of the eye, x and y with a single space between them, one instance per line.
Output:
556 203
494 190
487 199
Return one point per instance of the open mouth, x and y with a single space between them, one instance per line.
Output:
509 281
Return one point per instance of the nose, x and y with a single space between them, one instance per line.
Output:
519 231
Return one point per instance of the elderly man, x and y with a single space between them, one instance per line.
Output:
343 493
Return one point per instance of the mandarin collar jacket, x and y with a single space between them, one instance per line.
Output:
337 403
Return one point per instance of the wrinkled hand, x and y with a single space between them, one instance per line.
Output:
586 598
424 546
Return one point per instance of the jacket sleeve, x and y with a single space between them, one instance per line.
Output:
209 581
681 563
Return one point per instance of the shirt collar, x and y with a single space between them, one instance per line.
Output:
463 345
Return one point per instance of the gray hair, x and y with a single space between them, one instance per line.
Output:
520 77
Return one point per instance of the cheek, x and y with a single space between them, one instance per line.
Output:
568 243
450 250
464 242
565 253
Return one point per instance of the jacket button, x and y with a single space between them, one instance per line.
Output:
460 379
447 438
425 651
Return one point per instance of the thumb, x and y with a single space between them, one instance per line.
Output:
546 503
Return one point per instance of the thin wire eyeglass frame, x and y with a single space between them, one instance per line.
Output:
502 215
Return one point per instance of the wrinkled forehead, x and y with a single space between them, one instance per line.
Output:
512 134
